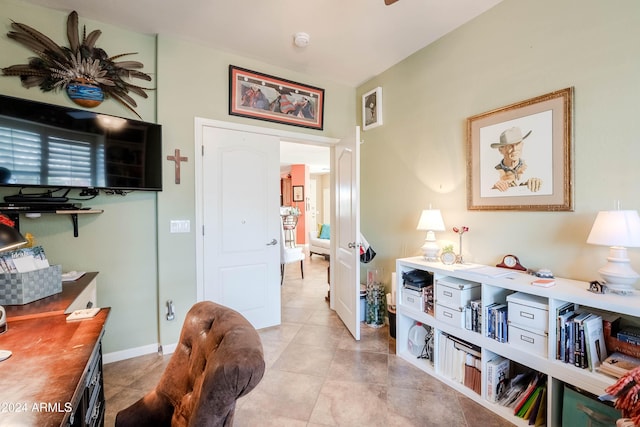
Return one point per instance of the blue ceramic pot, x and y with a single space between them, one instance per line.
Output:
85 94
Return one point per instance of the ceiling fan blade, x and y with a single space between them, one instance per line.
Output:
389 2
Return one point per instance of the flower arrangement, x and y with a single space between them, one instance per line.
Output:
460 230
627 393
85 71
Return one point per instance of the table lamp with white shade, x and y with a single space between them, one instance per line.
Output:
618 230
430 221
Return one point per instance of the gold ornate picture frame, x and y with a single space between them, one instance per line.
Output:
519 157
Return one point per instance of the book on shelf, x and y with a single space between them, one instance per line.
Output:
543 283
496 317
579 349
563 313
594 341
537 380
538 416
516 386
525 410
476 315
497 378
630 331
630 335
427 298
628 340
618 364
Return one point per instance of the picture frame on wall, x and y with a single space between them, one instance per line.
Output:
372 109
263 97
298 193
519 157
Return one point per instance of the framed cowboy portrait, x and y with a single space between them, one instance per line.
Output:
519 157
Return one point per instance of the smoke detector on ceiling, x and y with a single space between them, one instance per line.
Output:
301 39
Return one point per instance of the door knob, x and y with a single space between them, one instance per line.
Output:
273 242
352 245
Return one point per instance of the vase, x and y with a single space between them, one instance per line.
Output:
375 300
85 94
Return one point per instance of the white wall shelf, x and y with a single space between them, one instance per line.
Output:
496 288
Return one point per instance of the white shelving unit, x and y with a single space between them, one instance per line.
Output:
496 289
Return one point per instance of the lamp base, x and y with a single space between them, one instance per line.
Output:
430 250
617 273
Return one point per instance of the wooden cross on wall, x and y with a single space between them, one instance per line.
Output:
177 159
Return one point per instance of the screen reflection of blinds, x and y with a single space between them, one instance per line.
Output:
20 153
64 160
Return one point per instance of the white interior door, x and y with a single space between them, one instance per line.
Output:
346 229
240 216
312 211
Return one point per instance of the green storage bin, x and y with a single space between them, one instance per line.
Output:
580 409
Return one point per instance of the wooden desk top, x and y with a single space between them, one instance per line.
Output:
54 304
40 382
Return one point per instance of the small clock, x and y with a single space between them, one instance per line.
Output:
448 257
512 262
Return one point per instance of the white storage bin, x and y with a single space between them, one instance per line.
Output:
411 299
528 311
456 293
451 316
533 342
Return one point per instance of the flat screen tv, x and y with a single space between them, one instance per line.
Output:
44 145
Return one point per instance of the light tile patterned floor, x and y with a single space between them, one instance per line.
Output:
318 375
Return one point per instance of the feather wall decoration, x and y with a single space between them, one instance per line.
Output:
85 71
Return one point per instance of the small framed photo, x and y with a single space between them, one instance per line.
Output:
372 109
298 193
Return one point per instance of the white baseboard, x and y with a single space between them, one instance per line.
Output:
129 353
169 348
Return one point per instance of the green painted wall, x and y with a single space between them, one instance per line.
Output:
194 82
141 264
518 50
121 243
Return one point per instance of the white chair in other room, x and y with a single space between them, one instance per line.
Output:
289 255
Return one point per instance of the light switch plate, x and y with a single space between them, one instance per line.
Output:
180 226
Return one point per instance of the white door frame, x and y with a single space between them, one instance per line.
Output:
199 221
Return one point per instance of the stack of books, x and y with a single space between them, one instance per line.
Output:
618 364
580 336
497 322
629 335
473 316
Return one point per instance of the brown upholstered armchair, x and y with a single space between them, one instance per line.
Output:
218 359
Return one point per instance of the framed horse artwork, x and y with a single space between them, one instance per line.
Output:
264 97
